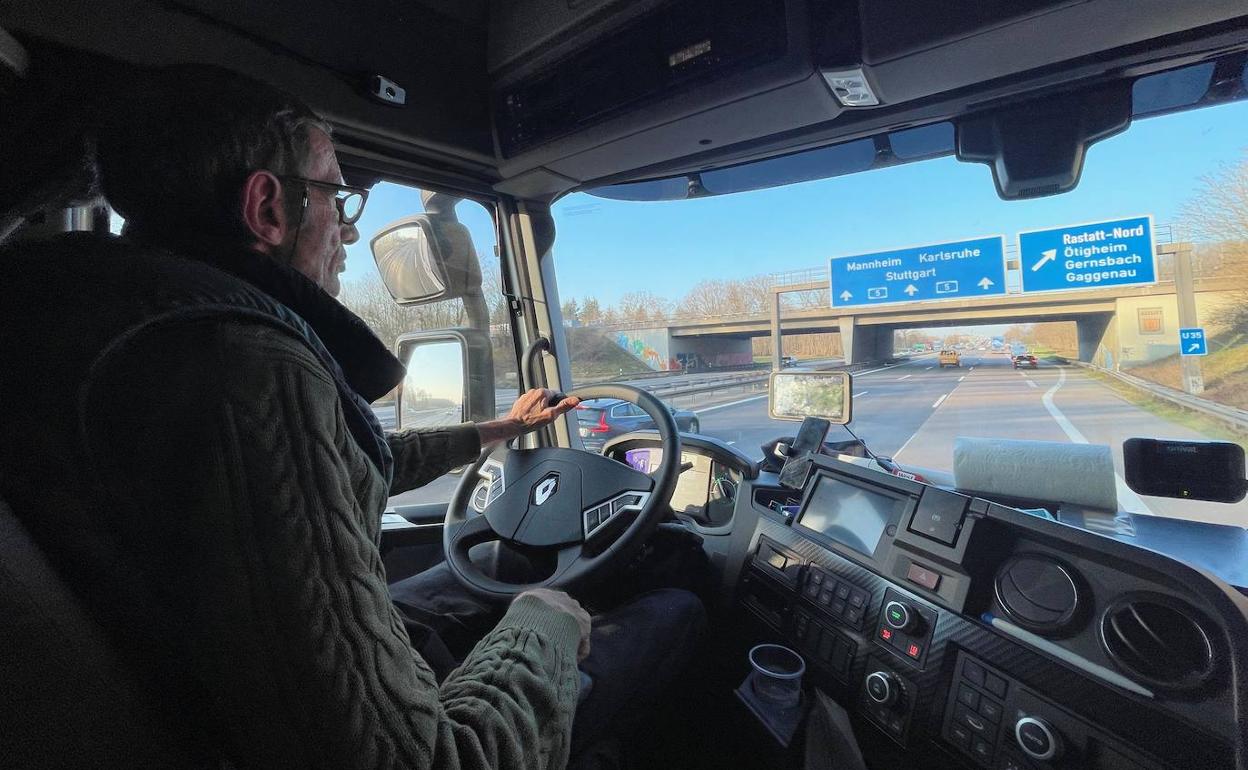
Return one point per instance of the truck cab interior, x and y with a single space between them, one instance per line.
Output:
939 620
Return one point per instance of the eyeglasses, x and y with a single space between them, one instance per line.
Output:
350 200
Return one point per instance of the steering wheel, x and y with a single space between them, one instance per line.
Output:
569 506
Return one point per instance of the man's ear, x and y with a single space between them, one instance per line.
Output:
264 210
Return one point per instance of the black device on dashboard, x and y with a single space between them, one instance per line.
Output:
809 440
1188 470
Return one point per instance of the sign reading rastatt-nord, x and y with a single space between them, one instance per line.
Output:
1091 256
957 270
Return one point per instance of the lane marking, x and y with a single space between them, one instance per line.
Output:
904 377
1032 384
730 443
882 368
1127 499
730 403
903 446
963 377
927 369
862 393
940 401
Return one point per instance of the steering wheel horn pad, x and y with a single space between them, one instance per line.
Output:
555 497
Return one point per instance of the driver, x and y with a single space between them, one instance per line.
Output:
225 435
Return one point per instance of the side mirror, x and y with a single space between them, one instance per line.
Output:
449 379
798 395
409 259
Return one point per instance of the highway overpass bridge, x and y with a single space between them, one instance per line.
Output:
1124 324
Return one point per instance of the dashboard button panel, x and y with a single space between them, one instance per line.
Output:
843 600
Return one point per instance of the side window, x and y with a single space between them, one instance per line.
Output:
365 294
622 410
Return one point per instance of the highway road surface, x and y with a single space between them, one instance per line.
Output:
914 410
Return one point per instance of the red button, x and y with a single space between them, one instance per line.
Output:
886 634
913 650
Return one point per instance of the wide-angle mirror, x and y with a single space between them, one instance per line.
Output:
409 261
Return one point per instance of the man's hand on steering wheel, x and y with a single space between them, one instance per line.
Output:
531 411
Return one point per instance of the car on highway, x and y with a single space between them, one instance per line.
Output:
787 361
1024 359
947 571
601 419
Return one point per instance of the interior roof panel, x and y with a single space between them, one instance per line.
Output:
440 63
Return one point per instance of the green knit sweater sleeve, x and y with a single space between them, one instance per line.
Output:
225 453
422 455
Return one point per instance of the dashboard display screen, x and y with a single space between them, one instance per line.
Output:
851 515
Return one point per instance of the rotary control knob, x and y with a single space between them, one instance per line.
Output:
899 616
1037 738
883 688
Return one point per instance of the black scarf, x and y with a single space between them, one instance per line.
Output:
367 364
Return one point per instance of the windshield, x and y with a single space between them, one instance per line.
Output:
959 314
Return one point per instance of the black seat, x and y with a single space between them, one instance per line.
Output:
67 699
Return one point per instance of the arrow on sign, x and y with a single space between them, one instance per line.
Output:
1045 258
911 290
984 283
1195 346
845 295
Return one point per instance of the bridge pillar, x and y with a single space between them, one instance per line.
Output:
1091 332
865 344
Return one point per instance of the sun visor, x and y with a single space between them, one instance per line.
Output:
1080 474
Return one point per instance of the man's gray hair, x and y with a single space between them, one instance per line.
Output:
173 155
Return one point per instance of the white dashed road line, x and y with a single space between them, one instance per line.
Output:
730 403
1127 499
940 401
1032 384
904 377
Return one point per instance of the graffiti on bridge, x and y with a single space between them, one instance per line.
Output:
646 354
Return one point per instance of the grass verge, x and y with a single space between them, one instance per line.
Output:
1202 424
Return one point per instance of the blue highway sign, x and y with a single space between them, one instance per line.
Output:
958 270
1192 342
1092 256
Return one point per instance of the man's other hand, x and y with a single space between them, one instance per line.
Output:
531 411
564 603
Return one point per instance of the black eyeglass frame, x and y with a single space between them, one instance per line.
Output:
339 201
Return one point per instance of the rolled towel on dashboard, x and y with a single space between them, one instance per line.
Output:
1081 474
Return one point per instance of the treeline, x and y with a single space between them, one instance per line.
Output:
708 298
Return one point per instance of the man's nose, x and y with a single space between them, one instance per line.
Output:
350 234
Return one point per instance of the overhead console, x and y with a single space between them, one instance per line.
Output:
585 90
966 633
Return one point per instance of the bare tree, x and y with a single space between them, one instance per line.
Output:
1217 215
1218 212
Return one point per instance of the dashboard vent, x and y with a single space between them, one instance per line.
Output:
1158 641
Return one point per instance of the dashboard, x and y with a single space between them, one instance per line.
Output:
963 633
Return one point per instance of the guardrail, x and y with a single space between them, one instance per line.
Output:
1229 415
699 388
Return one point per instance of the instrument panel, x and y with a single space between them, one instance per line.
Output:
983 636
712 474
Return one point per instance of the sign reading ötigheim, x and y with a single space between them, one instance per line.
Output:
1091 256
957 270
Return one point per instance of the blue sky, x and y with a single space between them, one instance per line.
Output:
605 248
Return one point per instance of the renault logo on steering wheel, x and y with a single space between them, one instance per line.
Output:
545 488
